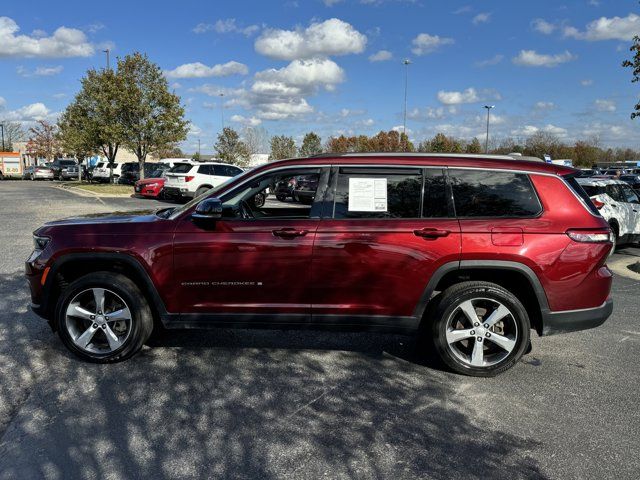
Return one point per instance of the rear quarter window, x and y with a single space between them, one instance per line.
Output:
481 193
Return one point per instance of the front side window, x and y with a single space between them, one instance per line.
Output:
629 195
275 195
363 192
481 193
614 192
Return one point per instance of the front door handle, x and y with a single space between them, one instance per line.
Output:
289 233
431 233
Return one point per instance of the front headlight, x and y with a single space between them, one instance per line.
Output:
151 185
39 243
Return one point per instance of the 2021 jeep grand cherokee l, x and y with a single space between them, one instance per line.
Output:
472 252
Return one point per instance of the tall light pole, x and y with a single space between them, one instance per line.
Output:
486 142
406 62
221 95
108 62
2 127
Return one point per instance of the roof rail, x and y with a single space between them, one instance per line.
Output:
426 155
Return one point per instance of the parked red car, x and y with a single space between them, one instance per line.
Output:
149 187
470 252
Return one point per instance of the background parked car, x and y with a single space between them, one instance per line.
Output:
131 171
37 173
633 180
60 165
188 180
618 204
152 186
102 170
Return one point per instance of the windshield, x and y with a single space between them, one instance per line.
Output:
67 162
211 193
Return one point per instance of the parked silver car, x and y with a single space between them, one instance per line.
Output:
37 173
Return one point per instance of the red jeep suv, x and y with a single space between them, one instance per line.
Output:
471 252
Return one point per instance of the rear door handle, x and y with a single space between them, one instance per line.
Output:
431 233
289 233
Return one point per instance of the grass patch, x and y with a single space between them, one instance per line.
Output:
106 188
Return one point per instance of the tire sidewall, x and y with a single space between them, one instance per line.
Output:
446 307
124 288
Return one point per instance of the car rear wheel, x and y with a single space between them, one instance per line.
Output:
479 329
614 238
201 191
103 317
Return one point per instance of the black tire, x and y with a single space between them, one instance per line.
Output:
201 191
141 316
446 307
281 197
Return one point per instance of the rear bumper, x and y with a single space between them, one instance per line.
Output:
175 192
574 320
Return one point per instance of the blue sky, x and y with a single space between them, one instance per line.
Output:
335 66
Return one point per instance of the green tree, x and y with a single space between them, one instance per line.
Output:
282 147
229 147
73 138
94 120
311 145
196 156
153 118
443 144
634 64
474 146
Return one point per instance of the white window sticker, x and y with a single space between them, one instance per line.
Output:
367 194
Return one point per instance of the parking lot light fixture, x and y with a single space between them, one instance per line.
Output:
406 62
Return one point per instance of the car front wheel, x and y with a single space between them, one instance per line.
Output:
479 328
103 317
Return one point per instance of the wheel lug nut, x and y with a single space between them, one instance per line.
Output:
92 317
99 312
476 324
488 334
95 325
480 339
486 325
106 318
473 332
104 327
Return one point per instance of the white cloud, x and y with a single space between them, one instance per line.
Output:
470 95
65 42
29 113
194 130
300 77
542 26
331 37
531 58
346 112
587 82
615 28
602 105
496 59
381 56
228 25
542 105
367 123
3 102
331 3
529 130
59 95
200 70
39 71
481 18
425 43
249 121
428 113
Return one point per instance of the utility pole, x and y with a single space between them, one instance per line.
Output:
486 142
198 149
108 63
406 62
2 127
221 95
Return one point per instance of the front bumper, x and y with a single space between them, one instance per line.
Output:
575 320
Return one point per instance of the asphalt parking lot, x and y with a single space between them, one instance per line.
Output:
281 404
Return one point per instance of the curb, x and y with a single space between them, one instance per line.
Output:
86 193
621 267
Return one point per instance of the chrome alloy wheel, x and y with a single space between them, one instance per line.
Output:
98 321
481 332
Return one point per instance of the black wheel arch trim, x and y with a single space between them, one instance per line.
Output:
46 307
483 264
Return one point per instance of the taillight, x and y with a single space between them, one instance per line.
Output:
590 236
597 203
188 178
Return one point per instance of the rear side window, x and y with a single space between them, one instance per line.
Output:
584 192
226 170
614 192
481 193
181 168
205 170
378 193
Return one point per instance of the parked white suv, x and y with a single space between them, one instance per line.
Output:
101 172
619 205
188 180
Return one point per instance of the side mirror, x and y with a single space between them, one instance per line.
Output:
208 210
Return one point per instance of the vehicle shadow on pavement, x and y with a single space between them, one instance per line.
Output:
240 404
